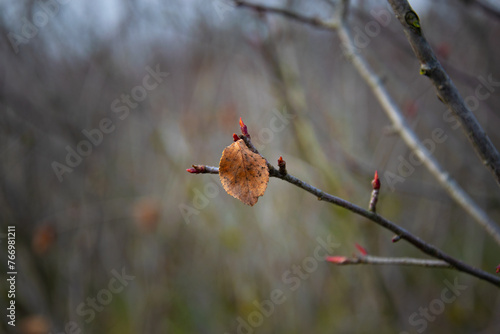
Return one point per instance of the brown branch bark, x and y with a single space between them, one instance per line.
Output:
445 88
410 137
376 218
315 22
399 261
372 216
394 113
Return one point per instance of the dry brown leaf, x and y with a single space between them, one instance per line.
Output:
243 174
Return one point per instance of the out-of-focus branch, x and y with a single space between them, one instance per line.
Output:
485 6
399 261
411 139
446 90
287 13
395 115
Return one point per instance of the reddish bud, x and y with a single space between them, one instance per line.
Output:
336 259
376 182
361 249
396 238
243 127
235 137
498 269
196 169
282 166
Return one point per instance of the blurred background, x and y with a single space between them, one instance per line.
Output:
103 106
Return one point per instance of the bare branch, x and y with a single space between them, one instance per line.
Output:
202 169
399 261
401 232
400 125
445 88
488 8
398 121
387 224
313 21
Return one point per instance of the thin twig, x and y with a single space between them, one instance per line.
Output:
372 216
313 21
445 88
488 8
202 169
395 115
400 125
376 218
400 261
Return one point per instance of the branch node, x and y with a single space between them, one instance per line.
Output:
413 21
396 238
196 169
425 69
282 166
374 197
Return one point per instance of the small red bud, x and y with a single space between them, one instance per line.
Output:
361 249
243 127
498 269
282 166
396 238
235 137
196 169
336 259
376 181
